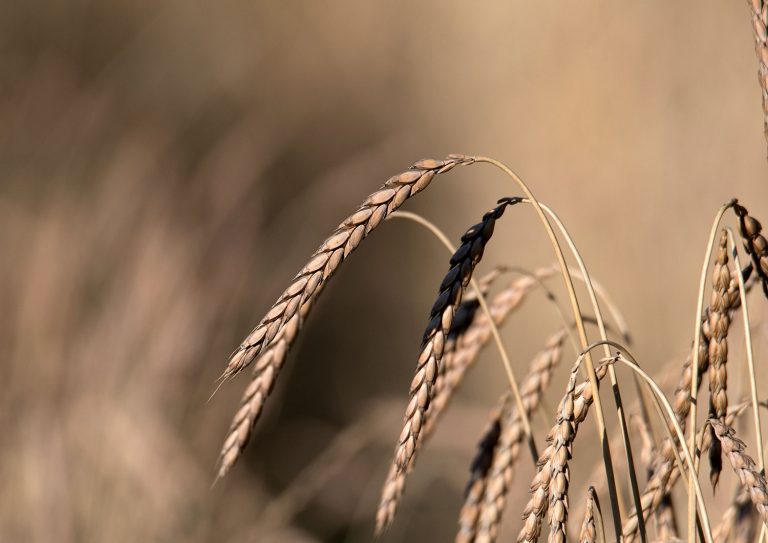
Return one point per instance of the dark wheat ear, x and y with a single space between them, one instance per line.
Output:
478 479
463 263
269 342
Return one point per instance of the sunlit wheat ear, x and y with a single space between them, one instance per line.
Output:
273 337
463 263
754 243
588 532
551 480
760 30
752 481
481 463
666 474
740 522
512 437
717 327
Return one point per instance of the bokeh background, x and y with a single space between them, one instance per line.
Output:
166 167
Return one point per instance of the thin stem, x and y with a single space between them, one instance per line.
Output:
492 323
617 519
695 369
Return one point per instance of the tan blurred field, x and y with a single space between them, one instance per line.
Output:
166 167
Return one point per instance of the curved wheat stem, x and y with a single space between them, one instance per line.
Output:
275 334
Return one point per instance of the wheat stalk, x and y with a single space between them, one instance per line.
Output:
754 243
273 337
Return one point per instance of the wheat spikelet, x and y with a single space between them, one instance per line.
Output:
716 329
461 351
588 533
479 468
513 434
553 464
273 337
754 243
752 481
739 523
760 30
463 263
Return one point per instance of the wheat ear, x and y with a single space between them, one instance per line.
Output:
463 263
588 533
461 351
752 481
479 468
273 337
716 328
512 436
554 460
759 9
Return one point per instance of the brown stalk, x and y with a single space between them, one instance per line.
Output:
269 342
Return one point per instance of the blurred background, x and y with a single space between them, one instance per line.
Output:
166 167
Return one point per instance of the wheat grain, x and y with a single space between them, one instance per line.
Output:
273 337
